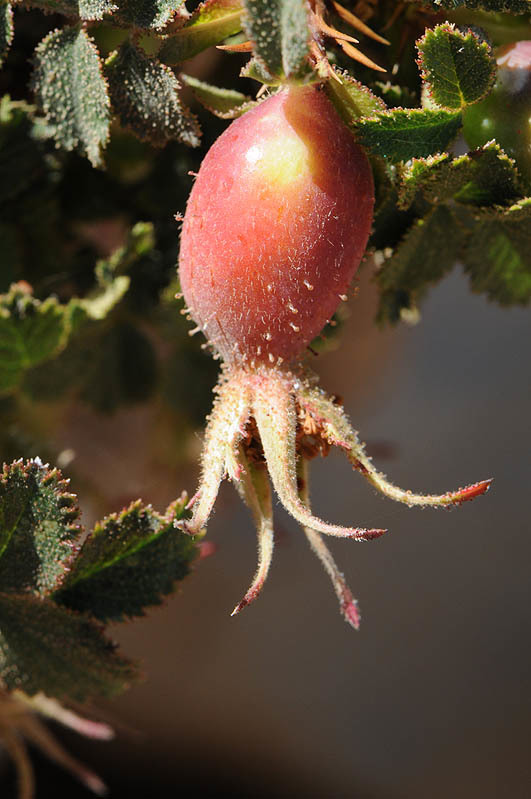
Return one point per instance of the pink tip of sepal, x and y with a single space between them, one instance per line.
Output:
350 610
471 491
367 535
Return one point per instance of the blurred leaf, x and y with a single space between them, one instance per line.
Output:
99 303
122 371
401 134
458 68
224 103
510 6
423 256
279 31
482 177
144 93
6 29
21 157
38 528
140 241
47 648
211 23
352 99
30 332
130 561
497 256
149 14
70 88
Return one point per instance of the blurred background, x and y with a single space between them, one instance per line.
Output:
432 696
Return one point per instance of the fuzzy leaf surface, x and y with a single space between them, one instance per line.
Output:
497 256
211 23
224 103
30 332
70 89
401 134
483 177
279 31
145 95
90 10
352 99
149 14
39 525
422 258
6 29
130 561
47 648
509 6
458 68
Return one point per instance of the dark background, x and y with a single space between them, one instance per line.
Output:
432 697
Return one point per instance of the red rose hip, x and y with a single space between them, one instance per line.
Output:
275 228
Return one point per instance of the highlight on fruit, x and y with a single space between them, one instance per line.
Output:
275 228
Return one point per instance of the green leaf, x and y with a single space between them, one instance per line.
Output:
211 23
224 103
497 256
483 177
70 89
144 94
89 10
130 561
279 31
47 648
149 14
458 68
38 528
6 29
140 241
30 332
95 9
352 99
421 259
401 134
509 6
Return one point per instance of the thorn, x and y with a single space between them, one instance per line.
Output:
308 285
357 55
271 357
178 217
292 308
343 297
242 47
179 295
192 173
356 23
194 331
333 33
294 327
268 336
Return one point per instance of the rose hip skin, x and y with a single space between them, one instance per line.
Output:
275 228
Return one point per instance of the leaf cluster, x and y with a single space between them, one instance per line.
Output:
59 583
435 209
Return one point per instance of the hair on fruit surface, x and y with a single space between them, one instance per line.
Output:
275 228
